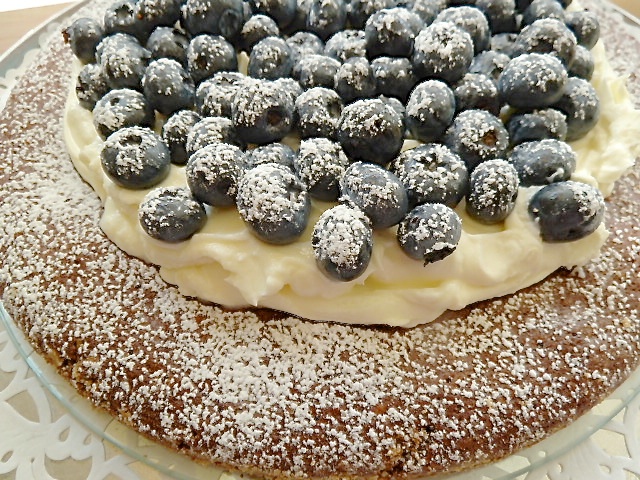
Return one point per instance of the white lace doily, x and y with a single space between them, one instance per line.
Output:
48 432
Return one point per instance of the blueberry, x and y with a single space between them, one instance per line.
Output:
430 232
156 13
391 32
490 63
371 131
397 106
354 79
346 44
430 110
274 203
542 162
123 61
583 64
316 71
493 190
303 44
477 91
547 35
120 16
326 17
289 87
432 173
214 96
394 76
319 110
135 158
171 214
359 11
580 103
320 164
472 21
270 59
504 43
537 125
282 11
542 9
585 26
175 131
83 36
271 153
477 136
213 173
500 14
211 130
215 17
376 191
262 112
442 51
532 81
342 242
168 42
299 22
257 28
209 54
122 108
167 86
91 85
428 10
567 211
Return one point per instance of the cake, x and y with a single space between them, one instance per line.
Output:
268 394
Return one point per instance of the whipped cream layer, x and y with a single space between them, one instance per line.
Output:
224 263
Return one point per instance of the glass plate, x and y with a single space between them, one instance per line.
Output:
179 466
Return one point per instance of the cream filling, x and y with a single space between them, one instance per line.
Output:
224 263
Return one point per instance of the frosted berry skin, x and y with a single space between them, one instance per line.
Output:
477 136
209 54
282 11
583 64
378 192
215 17
274 203
543 162
472 21
432 173
532 81
270 59
271 153
171 214
121 108
358 11
430 232
585 26
135 158
390 32
493 190
342 242
537 125
175 131
354 79
547 35
305 43
567 211
120 16
91 85
158 13
371 131
477 91
326 17
394 76
500 14
123 61
210 130
83 36
490 63
262 113
581 105
214 95
168 42
430 110
319 110
542 9
316 71
442 51
257 28
213 173
320 164
428 10
346 44
167 86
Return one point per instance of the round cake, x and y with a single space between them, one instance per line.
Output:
272 395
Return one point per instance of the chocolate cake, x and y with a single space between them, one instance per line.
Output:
265 393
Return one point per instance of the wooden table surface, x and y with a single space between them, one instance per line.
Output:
14 24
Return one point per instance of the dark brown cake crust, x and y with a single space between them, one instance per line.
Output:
275 396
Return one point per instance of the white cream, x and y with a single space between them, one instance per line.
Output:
226 264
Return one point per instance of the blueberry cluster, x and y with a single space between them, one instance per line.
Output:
492 90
